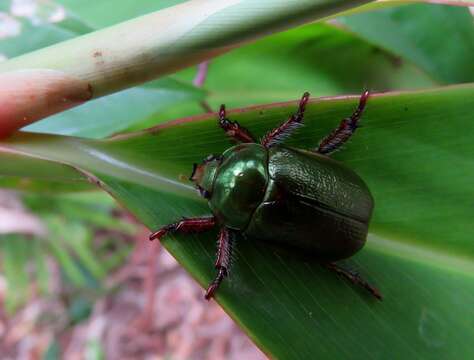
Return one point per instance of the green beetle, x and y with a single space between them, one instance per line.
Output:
284 196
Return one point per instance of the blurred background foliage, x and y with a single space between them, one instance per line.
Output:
395 48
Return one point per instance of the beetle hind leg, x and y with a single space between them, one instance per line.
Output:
223 261
354 278
344 131
280 133
233 128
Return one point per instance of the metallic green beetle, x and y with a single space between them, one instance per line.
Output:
284 196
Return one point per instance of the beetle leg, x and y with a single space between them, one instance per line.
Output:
344 131
354 278
233 128
280 133
186 226
224 255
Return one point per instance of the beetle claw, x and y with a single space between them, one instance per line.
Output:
221 274
157 234
210 292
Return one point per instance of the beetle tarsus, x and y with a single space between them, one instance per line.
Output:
163 231
233 128
214 285
185 226
282 132
345 130
354 278
223 260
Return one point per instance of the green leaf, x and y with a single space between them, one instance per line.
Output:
439 39
58 247
414 152
79 310
95 350
109 12
102 13
53 352
33 37
42 273
114 113
15 254
79 241
43 186
320 58
72 219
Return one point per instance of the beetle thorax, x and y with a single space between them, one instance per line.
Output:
238 185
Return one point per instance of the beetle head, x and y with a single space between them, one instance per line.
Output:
204 173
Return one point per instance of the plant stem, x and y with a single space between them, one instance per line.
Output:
153 45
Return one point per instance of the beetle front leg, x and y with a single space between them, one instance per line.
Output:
224 256
344 131
186 226
354 278
233 128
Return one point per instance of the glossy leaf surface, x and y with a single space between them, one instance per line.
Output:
414 152
438 39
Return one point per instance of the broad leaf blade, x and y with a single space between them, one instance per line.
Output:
320 58
415 160
438 39
104 13
114 113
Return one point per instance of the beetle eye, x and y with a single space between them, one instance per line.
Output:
212 157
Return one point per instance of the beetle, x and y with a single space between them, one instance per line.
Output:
293 198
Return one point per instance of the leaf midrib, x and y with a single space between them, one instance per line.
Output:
421 254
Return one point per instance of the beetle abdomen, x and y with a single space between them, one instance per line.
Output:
312 203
